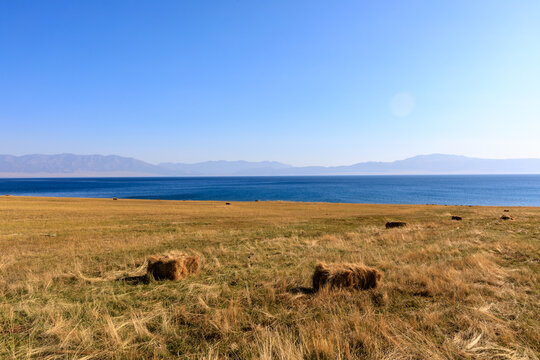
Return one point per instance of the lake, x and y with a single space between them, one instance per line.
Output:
522 190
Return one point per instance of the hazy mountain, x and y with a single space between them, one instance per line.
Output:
431 164
225 168
453 164
99 165
70 164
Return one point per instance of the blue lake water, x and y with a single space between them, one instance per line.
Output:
522 190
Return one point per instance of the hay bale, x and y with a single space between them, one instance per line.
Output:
458 218
506 217
345 276
172 266
115 198
395 224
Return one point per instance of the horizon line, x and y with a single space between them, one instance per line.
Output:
271 161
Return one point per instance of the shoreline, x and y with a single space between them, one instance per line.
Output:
119 199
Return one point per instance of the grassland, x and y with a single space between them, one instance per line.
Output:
451 289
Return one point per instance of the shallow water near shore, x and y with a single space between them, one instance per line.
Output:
502 190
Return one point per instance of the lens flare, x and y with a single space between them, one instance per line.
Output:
402 104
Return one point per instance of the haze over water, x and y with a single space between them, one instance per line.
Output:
502 190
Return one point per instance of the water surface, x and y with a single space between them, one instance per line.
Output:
523 190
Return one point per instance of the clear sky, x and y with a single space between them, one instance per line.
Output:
301 82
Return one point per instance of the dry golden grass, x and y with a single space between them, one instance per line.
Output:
451 290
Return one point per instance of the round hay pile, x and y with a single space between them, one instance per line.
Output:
345 276
395 224
172 266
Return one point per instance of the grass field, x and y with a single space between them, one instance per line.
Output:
451 289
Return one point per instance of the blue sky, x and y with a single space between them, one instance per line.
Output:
301 82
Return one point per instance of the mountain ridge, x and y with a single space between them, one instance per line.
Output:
71 165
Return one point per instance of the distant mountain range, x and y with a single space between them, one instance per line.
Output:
70 165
